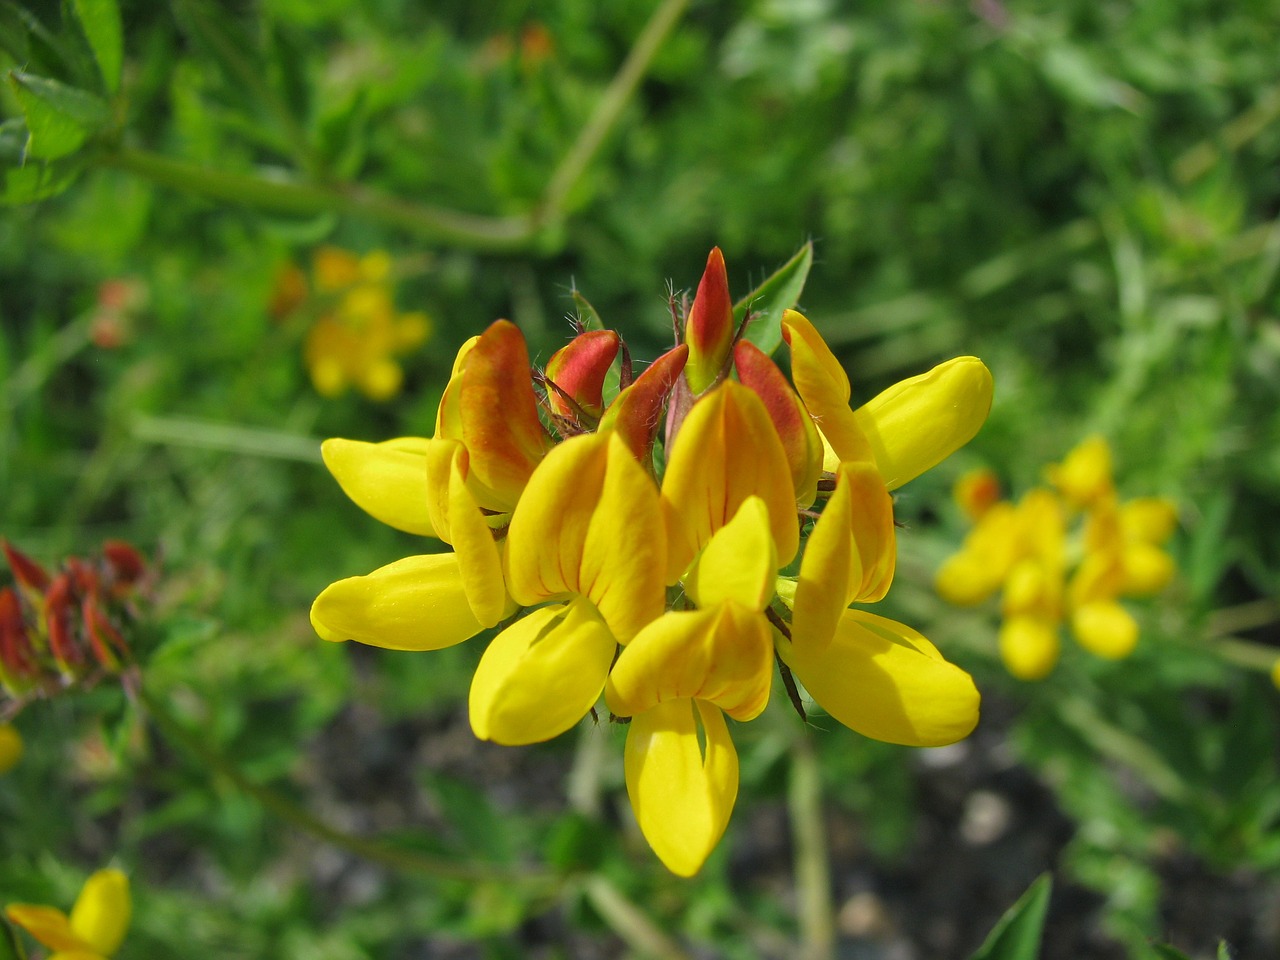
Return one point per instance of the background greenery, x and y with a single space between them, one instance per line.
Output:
1084 194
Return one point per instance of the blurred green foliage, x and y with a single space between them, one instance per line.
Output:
1083 194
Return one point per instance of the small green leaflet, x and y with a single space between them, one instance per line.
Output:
59 117
100 21
1017 935
779 292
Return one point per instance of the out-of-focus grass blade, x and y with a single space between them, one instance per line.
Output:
100 21
227 437
1017 935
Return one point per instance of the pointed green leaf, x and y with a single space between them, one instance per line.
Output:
1224 951
1166 952
10 948
1017 935
59 118
586 312
779 292
100 21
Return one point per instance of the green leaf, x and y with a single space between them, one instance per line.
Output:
10 948
24 180
59 117
13 34
779 292
1017 935
1224 951
100 21
1166 952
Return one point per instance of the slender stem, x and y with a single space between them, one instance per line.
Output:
816 912
374 851
1245 616
609 109
628 921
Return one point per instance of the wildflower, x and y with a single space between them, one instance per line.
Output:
10 747
671 583
1048 576
96 926
356 333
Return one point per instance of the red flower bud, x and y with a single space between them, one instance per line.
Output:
102 635
636 413
124 562
25 570
57 611
576 372
709 329
17 660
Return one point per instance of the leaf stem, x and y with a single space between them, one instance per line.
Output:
628 921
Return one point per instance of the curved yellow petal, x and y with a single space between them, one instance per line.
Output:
479 558
919 422
549 526
1147 569
101 913
738 563
682 795
541 675
824 387
721 655
48 925
850 555
386 480
417 603
449 413
1105 629
625 552
887 682
726 451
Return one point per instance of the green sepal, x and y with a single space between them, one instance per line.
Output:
24 180
1017 935
60 118
781 291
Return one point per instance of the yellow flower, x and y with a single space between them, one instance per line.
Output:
97 923
10 747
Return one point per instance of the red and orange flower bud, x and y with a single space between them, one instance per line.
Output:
575 375
636 413
26 571
17 659
125 565
709 328
58 609
795 428
104 639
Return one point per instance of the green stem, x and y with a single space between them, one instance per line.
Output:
609 109
374 851
816 913
628 921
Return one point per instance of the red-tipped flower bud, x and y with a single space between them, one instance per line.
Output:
58 609
636 413
576 372
25 570
17 661
709 329
125 563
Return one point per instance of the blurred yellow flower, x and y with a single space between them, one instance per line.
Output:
97 923
10 747
1047 575
357 334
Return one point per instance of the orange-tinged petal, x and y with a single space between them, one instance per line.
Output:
549 526
636 413
449 413
541 675
578 369
726 451
919 422
976 491
625 552
499 414
681 792
721 655
387 480
417 603
739 563
101 913
795 427
824 387
887 682
709 329
1106 629
48 925
1029 647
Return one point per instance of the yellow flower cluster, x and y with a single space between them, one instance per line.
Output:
1048 573
670 592
357 333
96 926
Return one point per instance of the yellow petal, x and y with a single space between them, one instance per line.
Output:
479 559
966 579
449 413
682 795
726 451
1084 475
824 387
1149 519
850 555
919 422
549 526
721 655
1105 629
1029 647
738 563
887 682
48 925
1147 569
387 480
541 675
417 603
101 913
625 553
